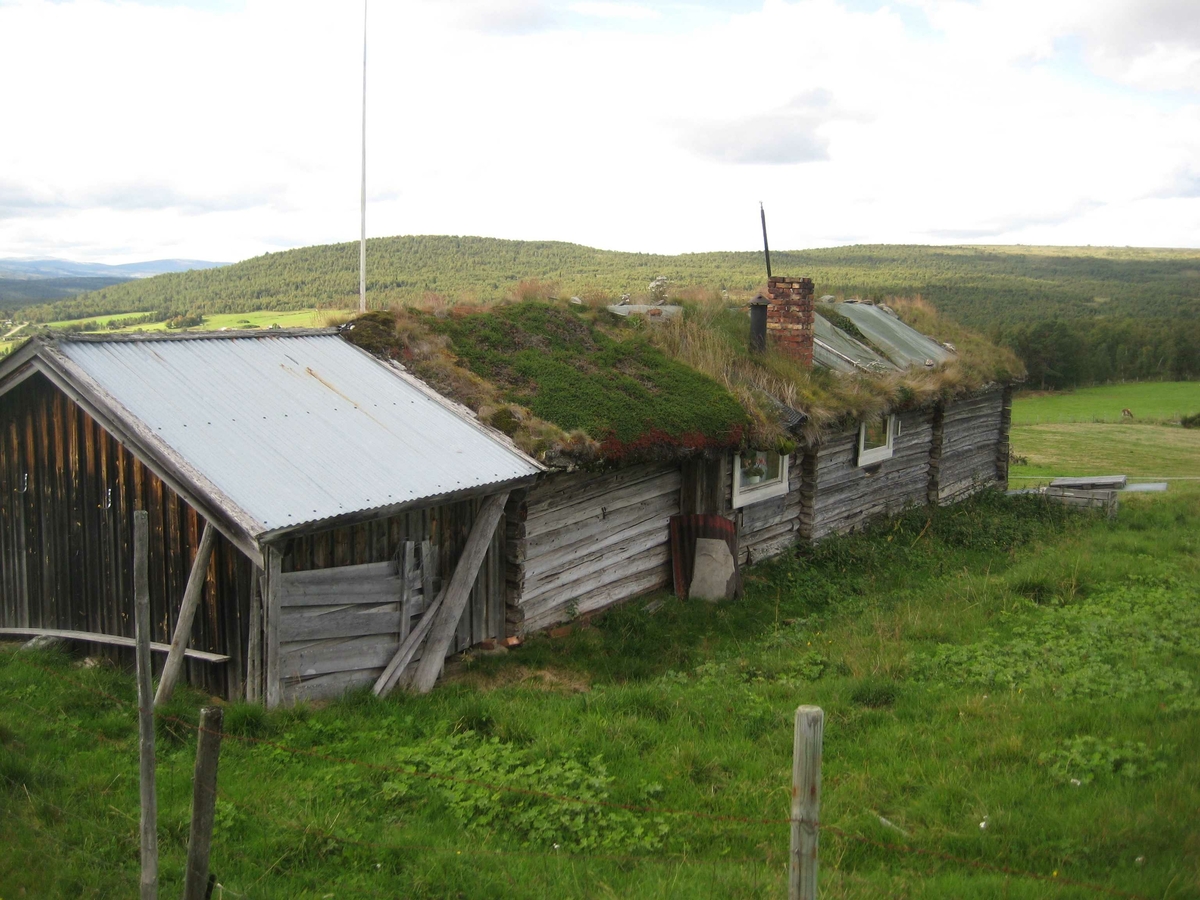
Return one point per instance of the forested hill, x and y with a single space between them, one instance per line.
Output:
983 287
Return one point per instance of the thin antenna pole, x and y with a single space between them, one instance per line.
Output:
362 244
766 250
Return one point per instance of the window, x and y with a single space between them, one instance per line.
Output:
758 475
876 438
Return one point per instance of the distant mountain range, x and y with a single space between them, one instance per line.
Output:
63 268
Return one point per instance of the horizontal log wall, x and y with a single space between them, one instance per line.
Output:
68 490
579 542
846 496
347 569
972 432
769 527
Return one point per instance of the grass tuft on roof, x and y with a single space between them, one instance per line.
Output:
558 384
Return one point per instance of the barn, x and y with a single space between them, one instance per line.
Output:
319 500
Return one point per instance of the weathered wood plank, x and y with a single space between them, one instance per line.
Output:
114 640
273 613
458 591
187 612
607 562
344 622
337 655
339 574
593 545
328 687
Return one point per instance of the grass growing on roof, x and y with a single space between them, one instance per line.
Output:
567 371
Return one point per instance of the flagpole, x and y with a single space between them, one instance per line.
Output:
362 245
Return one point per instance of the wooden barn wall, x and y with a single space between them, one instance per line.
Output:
579 542
972 433
362 633
769 527
846 496
68 491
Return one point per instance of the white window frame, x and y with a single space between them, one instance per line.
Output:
868 456
744 495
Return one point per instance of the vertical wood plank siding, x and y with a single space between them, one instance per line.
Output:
972 431
581 542
67 495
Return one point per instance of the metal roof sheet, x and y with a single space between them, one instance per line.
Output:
298 429
904 346
834 349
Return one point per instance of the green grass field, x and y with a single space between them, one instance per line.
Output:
1157 402
303 318
1087 442
974 663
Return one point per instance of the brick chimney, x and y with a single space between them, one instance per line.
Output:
790 316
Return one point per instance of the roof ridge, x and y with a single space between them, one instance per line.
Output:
80 337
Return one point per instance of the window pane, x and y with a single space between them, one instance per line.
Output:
759 467
875 433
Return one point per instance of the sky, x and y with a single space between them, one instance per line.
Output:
135 129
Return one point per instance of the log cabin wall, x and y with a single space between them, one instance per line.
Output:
341 610
769 527
973 430
68 490
579 542
845 496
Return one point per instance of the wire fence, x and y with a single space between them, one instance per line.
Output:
256 808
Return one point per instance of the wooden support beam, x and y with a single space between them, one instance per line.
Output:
457 592
187 613
392 675
274 577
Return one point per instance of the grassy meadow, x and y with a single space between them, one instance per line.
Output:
1007 684
1158 402
1076 433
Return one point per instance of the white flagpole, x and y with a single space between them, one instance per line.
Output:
362 246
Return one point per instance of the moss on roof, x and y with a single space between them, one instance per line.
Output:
574 385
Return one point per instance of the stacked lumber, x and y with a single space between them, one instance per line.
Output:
577 543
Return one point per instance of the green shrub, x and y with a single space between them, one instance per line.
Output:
875 693
1081 760
1192 421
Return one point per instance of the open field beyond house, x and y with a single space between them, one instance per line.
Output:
1091 442
1011 700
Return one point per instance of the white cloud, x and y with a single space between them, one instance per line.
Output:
221 132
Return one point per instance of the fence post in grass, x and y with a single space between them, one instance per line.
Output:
145 686
204 800
806 802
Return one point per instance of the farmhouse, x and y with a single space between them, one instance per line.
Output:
349 520
903 423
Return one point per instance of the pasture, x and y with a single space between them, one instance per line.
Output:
1158 402
1007 685
1071 434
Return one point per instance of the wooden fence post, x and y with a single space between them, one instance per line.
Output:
204 800
806 802
145 685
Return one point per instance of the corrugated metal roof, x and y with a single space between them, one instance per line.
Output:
904 346
297 429
834 349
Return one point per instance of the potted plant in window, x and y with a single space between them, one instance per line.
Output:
753 473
